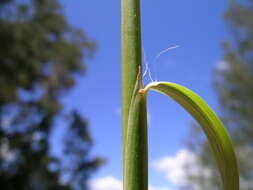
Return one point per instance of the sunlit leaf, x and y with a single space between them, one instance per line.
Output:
212 126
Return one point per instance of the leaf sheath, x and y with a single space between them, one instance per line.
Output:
136 151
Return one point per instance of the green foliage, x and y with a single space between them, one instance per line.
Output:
135 156
212 126
40 54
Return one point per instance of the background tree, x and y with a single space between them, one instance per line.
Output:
40 54
233 81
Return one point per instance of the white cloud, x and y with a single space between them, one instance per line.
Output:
222 66
174 167
106 183
111 183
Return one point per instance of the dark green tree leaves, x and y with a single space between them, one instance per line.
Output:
40 55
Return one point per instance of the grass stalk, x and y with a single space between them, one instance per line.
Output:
135 174
131 54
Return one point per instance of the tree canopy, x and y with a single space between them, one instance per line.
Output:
40 56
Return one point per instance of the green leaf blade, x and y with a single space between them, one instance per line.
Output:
212 126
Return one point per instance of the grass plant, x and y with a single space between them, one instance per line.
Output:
134 111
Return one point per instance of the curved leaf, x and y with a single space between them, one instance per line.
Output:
215 131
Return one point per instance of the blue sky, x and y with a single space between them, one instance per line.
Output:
197 27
